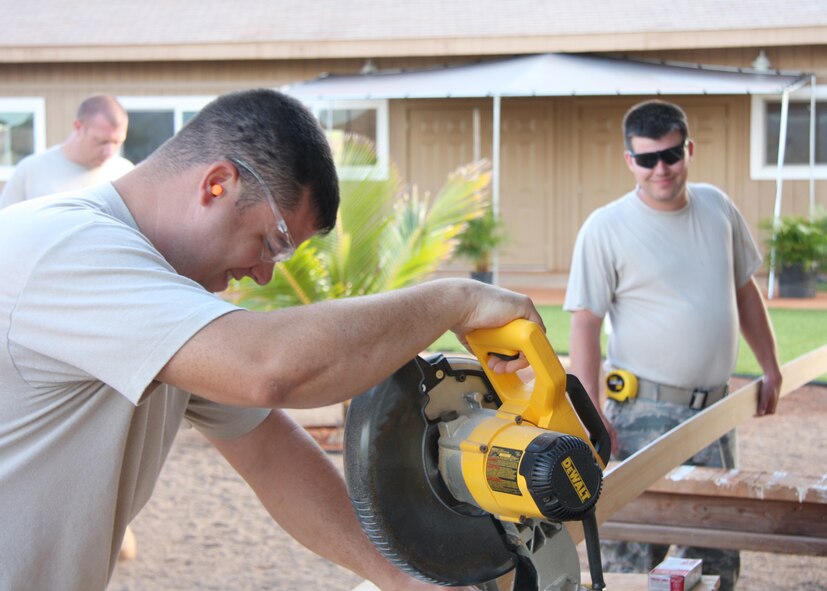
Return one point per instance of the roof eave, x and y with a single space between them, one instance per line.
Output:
420 47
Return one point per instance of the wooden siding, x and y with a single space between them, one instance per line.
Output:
64 86
561 157
392 47
807 58
574 164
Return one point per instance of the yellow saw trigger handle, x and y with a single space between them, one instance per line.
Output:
542 402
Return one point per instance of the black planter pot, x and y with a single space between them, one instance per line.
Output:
484 276
795 282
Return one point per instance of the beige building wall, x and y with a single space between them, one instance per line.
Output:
561 157
64 86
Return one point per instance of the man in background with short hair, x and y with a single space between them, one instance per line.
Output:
89 156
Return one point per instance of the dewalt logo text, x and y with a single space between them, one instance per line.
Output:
576 480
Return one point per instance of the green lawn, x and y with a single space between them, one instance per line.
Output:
796 331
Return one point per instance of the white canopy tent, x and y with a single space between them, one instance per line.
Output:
553 74
549 74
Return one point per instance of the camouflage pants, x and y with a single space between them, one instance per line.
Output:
639 422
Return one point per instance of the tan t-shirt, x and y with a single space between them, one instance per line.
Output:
668 282
89 314
51 172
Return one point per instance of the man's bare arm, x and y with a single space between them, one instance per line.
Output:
758 333
319 354
585 359
305 494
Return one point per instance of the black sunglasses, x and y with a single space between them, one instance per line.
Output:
669 156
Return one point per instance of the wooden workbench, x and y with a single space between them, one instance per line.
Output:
640 582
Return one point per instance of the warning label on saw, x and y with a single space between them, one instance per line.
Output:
501 470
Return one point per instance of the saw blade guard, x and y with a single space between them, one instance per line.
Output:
404 507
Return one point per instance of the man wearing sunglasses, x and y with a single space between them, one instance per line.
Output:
111 337
671 263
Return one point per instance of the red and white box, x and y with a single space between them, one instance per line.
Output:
675 574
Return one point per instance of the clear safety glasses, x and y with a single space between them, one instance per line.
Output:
278 243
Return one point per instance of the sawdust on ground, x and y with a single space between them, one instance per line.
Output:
205 530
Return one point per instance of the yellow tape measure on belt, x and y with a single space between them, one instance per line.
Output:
621 385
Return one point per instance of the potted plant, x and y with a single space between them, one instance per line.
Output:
800 247
479 240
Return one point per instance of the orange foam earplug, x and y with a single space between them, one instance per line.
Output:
217 190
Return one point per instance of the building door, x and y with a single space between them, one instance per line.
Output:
602 174
439 141
708 129
524 185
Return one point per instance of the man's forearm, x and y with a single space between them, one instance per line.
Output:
305 494
757 331
323 353
756 328
584 352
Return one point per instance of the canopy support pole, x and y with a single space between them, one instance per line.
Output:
812 146
495 182
779 182
477 127
779 174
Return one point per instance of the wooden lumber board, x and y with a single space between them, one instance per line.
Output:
714 538
720 522
614 582
633 476
735 509
640 582
748 515
745 484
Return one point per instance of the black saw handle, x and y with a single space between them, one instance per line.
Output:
584 407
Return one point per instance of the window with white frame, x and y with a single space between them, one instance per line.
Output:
368 118
155 119
22 131
765 134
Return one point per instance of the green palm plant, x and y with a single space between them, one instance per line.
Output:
481 237
798 241
384 238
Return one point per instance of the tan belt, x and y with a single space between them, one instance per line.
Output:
694 398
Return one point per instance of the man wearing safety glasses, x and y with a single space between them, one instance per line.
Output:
111 335
672 265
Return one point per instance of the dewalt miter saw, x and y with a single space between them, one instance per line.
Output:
461 476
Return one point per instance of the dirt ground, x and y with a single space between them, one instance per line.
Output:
204 530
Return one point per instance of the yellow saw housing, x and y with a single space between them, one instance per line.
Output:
488 466
531 457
